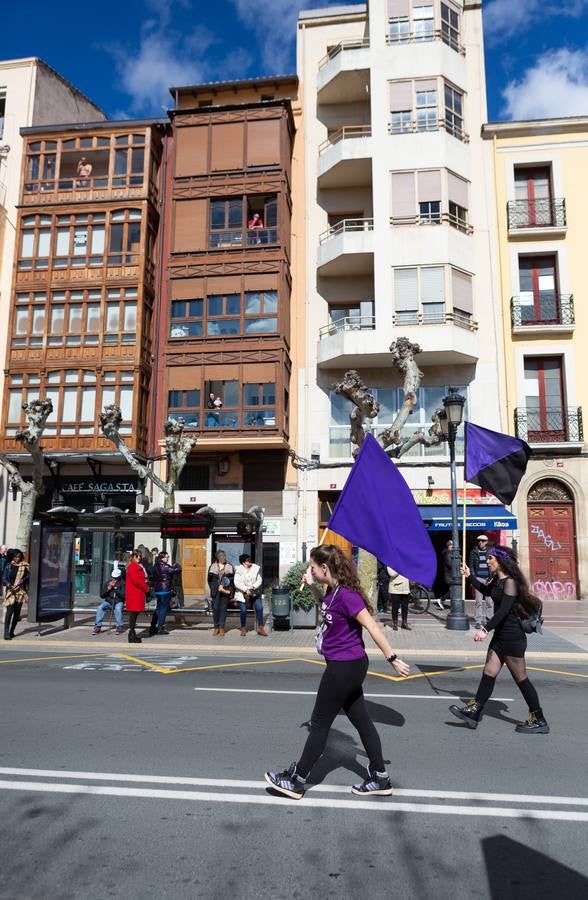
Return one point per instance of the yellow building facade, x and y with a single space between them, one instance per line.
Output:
541 191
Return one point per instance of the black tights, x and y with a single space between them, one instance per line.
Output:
340 688
132 620
518 669
11 618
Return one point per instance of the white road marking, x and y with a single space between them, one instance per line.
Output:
313 694
315 788
267 800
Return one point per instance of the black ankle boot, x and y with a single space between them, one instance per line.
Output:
395 624
535 724
470 713
133 637
406 626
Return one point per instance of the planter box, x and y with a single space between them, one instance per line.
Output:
303 618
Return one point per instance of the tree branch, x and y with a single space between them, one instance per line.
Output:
110 422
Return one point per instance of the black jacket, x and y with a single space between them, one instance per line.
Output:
115 594
163 576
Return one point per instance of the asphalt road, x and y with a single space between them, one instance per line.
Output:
140 778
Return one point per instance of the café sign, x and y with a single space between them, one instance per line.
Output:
98 486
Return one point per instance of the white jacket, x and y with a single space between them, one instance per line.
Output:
246 580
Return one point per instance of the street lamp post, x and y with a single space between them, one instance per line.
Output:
450 419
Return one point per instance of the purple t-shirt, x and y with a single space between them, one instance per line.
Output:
342 635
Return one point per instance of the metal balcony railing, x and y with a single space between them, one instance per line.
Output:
434 317
549 426
448 37
336 49
550 309
542 213
346 226
430 124
441 218
347 132
237 237
349 323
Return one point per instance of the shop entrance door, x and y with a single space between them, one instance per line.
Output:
194 567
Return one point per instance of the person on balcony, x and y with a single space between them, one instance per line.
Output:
83 173
213 403
248 590
254 224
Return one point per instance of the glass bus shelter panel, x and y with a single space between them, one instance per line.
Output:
52 572
95 554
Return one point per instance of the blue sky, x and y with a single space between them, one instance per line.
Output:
125 54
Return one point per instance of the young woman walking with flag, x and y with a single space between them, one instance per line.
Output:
345 612
513 602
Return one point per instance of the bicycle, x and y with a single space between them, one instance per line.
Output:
420 598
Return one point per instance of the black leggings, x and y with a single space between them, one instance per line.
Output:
132 620
12 618
340 688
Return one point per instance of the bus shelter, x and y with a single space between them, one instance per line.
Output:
62 584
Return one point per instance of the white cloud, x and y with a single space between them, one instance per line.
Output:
504 18
274 25
557 85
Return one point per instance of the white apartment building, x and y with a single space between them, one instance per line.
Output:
31 93
400 235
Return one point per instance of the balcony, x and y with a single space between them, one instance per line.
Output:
448 36
413 126
86 190
237 237
550 426
529 218
544 314
343 75
346 342
445 337
345 158
347 248
434 218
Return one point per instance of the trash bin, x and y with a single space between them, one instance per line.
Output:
280 608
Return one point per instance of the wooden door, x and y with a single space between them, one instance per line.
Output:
552 550
544 399
326 505
539 291
533 185
194 560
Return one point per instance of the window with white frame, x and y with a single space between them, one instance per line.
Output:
450 26
419 295
423 23
454 111
390 399
426 108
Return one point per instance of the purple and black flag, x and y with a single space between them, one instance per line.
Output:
494 461
377 512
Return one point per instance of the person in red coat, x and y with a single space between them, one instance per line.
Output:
136 588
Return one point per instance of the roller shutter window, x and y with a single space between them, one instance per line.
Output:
403 198
406 296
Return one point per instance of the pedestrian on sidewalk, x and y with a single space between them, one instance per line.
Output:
220 581
163 578
15 579
399 590
345 613
383 583
478 563
446 560
113 594
137 586
513 602
248 590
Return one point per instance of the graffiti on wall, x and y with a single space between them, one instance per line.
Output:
554 590
546 538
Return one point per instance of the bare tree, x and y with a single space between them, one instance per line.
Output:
36 413
177 449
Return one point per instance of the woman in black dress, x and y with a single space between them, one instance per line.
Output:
512 602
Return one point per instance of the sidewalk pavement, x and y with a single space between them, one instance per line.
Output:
567 639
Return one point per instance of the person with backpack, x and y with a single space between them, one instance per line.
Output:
516 612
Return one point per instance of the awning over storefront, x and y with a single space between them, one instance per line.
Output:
478 518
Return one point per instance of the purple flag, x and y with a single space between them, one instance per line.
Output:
376 511
495 461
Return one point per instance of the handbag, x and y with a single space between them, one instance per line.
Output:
320 632
533 624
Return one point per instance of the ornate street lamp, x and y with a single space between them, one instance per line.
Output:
450 419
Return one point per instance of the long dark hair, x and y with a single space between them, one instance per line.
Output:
340 568
526 601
